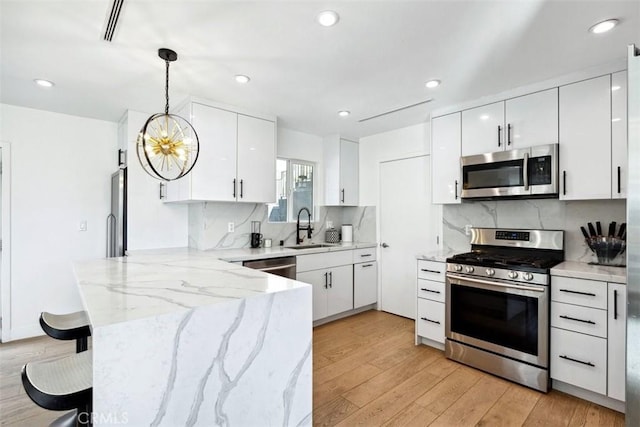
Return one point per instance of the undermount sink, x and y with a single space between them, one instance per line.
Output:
311 246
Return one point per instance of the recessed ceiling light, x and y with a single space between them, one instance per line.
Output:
240 78
614 88
43 83
604 26
484 117
432 83
328 18
344 113
617 119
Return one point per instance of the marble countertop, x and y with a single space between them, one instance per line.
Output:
155 282
247 254
583 270
439 255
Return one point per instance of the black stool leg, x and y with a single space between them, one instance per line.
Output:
84 415
82 344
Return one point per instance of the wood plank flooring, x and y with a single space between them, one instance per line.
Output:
367 371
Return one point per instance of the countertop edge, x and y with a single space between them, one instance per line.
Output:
583 270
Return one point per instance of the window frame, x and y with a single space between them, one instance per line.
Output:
289 187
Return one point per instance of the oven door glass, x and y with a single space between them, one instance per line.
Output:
504 318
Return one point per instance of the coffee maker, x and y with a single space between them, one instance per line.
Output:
256 237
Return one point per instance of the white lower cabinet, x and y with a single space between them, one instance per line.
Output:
430 299
365 284
617 321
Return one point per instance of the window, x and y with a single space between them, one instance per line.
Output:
294 190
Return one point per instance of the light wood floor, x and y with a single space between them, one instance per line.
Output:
367 371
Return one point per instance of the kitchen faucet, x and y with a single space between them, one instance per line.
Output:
308 227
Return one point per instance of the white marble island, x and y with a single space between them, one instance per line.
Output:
182 338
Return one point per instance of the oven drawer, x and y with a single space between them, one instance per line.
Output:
364 255
579 359
588 293
575 318
431 290
430 320
431 270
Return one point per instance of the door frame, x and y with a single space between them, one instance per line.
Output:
379 216
5 279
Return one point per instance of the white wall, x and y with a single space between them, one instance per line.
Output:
61 167
396 144
151 223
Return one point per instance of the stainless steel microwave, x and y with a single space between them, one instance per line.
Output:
520 173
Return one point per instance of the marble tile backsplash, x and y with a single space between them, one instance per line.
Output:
548 214
208 224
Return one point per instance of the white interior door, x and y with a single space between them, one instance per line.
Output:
409 225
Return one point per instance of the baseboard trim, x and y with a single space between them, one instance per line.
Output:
344 314
591 396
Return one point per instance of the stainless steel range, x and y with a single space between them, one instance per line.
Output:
497 303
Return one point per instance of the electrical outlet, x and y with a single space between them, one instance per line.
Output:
467 229
231 227
82 226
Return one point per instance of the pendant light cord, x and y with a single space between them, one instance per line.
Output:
166 107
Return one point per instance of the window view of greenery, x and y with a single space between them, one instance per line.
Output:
294 190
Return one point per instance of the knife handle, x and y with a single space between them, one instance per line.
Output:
592 230
612 229
599 228
584 232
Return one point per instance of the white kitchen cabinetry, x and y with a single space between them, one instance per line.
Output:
587 345
365 277
236 161
617 320
431 302
445 159
585 139
340 171
331 275
521 122
619 158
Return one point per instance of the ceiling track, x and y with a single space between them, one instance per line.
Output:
396 110
112 22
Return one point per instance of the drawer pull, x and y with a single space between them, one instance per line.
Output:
615 300
429 320
426 270
577 292
367 265
576 360
364 255
429 290
591 322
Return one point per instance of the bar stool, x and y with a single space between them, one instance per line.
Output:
61 385
72 326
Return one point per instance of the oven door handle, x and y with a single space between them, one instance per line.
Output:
496 284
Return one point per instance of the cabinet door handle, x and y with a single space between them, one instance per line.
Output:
430 290
331 279
241 188
564 183
429 320
365 255
576 360
342 195
509 134
326 280
499 132
569 291
367 265
234 188
619 180
162 194
615 304
577 320
430 271
456 190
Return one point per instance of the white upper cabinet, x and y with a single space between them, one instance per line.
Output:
585 139
445 159
256 160
340 172
619 159
482 129
236 161
532 120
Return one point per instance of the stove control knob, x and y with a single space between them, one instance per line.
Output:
490 272
513 275
457 267
469 269
527 276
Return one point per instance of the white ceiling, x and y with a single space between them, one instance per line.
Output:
376 59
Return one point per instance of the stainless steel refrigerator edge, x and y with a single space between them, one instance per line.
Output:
117 219
633 241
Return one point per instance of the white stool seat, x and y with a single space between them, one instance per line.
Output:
66 322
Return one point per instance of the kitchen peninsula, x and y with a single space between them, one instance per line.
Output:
183 338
